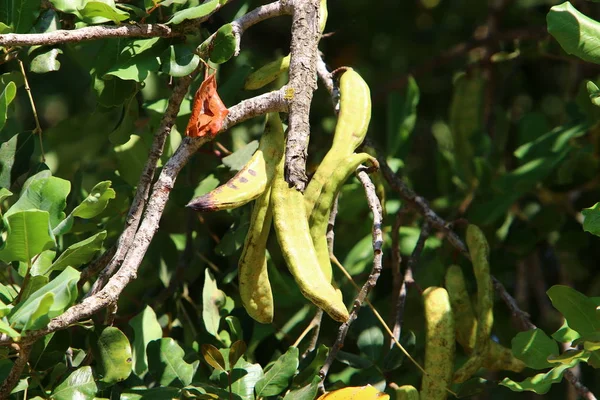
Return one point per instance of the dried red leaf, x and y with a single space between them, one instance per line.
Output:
208 110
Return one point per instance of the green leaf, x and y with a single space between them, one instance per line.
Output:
308 392
577 34
239 158
145 329
533 348
353 360
370 341
35 283
402 116
80 384
223 45
317 360
539 383
113 91
63 288
360 256
96 201
277 378
79 253
213 300
569 356
4 194
395 357
28 235
243 377
127 124
159 393
591 219
14 158
43 192
131 158
166 364
578 309
179 60
96 11
6 97
46 62
213 357
113 353
7 329
194 12
564 334
137 59
23 14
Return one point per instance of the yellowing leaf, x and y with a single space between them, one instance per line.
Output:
367 392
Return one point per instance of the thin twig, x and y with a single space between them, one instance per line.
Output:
376 210
396 272
408 279
15 373
88 33
38 127
255 16
303 82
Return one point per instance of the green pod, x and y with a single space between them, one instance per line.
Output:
352 125
407 392
440 344
498 357
319 217
267 73
323 13
293 234
479 251
253 179
255 288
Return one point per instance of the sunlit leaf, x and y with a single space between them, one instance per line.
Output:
113 354
145 329
277 378
533 348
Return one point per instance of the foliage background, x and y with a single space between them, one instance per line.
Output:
524 86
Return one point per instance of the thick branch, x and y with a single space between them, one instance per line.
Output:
143 188
88 33
255 16
269 102
375 206
303 82
15 373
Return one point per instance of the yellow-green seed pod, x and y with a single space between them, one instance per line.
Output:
255 288
407 392
439 345
267 73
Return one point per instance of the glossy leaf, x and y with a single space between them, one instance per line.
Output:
539 383
308 392
137 59
277 378
6 97
43 192
46 62
244 376
236 351
79 253
591 219
577 33
180 60
42 262
28 235
578 309
533 348
194 12
113 353
370 341
145 329
213 300
166 364
213 357
14 158
97 10
402 116
63 288
80 384
223 45
96 201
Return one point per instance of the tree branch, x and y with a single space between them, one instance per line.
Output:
15 373
375 206
88 33
255 16
303 82
269 102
